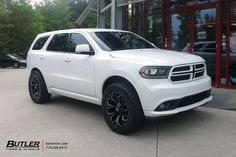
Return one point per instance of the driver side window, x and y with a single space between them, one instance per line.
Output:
76 39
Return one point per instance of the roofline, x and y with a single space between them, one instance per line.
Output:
80 29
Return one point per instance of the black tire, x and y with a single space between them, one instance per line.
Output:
37 88
232 74
121 108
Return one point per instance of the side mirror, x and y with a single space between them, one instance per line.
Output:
83 49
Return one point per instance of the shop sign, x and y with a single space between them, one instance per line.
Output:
201 35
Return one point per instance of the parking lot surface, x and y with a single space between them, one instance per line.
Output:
204 131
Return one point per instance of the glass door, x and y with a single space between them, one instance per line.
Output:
195 32
204 43
180 32
232 44
228 53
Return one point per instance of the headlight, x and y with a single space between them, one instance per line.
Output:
155 72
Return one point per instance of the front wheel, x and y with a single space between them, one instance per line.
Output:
232 76
121 108
37 88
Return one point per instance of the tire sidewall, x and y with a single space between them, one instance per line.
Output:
44 96
135 115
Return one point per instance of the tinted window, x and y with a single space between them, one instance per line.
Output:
58 42
76 39
112 41
40 42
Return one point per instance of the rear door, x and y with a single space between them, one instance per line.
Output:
53 59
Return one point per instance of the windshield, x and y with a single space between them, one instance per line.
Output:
113 41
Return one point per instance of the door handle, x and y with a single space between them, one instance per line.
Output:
67 60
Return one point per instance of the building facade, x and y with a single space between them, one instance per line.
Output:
203 27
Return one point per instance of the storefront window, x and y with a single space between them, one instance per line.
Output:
138 9
153 5
205 38
154 29
183 3
138 26
180 32
232 71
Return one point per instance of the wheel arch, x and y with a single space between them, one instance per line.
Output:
117 78
44 77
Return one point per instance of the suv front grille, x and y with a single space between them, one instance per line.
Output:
187 72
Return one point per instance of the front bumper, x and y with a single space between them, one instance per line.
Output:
176 110
155 92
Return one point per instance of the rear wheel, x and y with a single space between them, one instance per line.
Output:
232 76
122 108
37 88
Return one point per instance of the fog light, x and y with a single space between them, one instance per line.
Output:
168 105
165 106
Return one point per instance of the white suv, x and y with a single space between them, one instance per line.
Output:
127 75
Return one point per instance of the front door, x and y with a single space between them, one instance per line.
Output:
79 68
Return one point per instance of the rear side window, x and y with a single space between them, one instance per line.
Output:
40 42
76 39
58 42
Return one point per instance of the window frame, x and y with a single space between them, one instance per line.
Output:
69 37
47 37
53 36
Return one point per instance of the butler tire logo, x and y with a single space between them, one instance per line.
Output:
23 145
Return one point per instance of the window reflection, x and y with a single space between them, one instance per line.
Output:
180 31
154 30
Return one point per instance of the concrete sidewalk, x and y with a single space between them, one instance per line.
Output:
203 132
223 99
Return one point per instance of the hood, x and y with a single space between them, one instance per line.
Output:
156 57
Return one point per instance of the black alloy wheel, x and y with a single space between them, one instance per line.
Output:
37 88
121 108
117 109
34 87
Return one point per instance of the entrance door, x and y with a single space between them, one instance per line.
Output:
204 43
180 32
194 31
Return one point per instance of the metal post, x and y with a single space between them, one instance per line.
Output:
116 15
100 16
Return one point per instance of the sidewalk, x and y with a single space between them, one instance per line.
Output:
204 132
223 99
